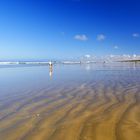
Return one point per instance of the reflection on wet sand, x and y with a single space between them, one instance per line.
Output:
107 109
50 70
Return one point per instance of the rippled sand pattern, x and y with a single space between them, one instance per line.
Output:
100 110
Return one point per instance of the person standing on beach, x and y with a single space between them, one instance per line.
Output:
50 68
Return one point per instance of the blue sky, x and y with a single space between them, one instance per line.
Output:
59 29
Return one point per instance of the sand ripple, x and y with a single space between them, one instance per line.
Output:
89 111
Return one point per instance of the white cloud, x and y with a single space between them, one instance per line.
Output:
87 55
116 47
81 37
136 35
101 37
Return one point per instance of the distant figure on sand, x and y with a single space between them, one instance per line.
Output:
50 64
50 68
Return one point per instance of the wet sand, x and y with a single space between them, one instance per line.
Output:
105 109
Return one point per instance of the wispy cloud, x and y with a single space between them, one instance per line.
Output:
136 35
116 47
101 37
81 37
62 33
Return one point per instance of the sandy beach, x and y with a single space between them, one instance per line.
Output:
103 109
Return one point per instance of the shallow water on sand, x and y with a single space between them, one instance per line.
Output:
70 102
